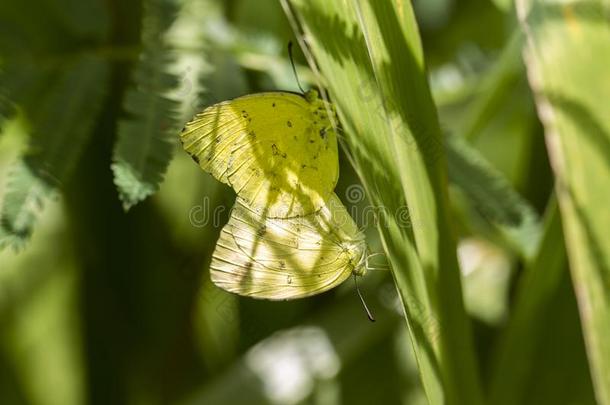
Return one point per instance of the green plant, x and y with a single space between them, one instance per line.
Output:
105 294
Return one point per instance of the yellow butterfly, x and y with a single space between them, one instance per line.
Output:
289 235
287 258
277 150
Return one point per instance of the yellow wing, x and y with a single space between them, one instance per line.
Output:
277 150
291 258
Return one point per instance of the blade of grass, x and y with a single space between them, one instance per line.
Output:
540 280
371 57
571 97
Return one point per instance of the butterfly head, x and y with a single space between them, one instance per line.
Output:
358 254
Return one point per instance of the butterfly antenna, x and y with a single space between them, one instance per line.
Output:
368 312
294 69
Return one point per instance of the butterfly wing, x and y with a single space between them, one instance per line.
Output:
286 258
277 150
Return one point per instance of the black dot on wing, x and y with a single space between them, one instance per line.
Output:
273 105
289 124
261 231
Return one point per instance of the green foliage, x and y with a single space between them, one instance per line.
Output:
146 136
491 194
569 98
394 136
108 306
60 127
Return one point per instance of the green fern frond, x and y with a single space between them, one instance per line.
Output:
492 195
145 138
60 127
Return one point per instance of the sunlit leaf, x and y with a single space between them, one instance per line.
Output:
370 56
567 57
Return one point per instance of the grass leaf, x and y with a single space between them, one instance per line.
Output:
370 56
541 292
567 57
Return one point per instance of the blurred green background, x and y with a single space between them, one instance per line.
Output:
104 306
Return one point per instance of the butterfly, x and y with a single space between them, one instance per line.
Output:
287 258
277 150
289 236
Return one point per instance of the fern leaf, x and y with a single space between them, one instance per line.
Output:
60 127
145 138
492 195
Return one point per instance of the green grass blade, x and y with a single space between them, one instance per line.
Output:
60 127
540 280
567 57
372 62
146 138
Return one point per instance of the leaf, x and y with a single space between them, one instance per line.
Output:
6 110
60 127
567 56
493 196
146 138
371 59
541 290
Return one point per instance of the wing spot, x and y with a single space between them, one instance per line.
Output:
248 265
282 264
273 105
289 279
276 151
289 124
261 231
323 133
